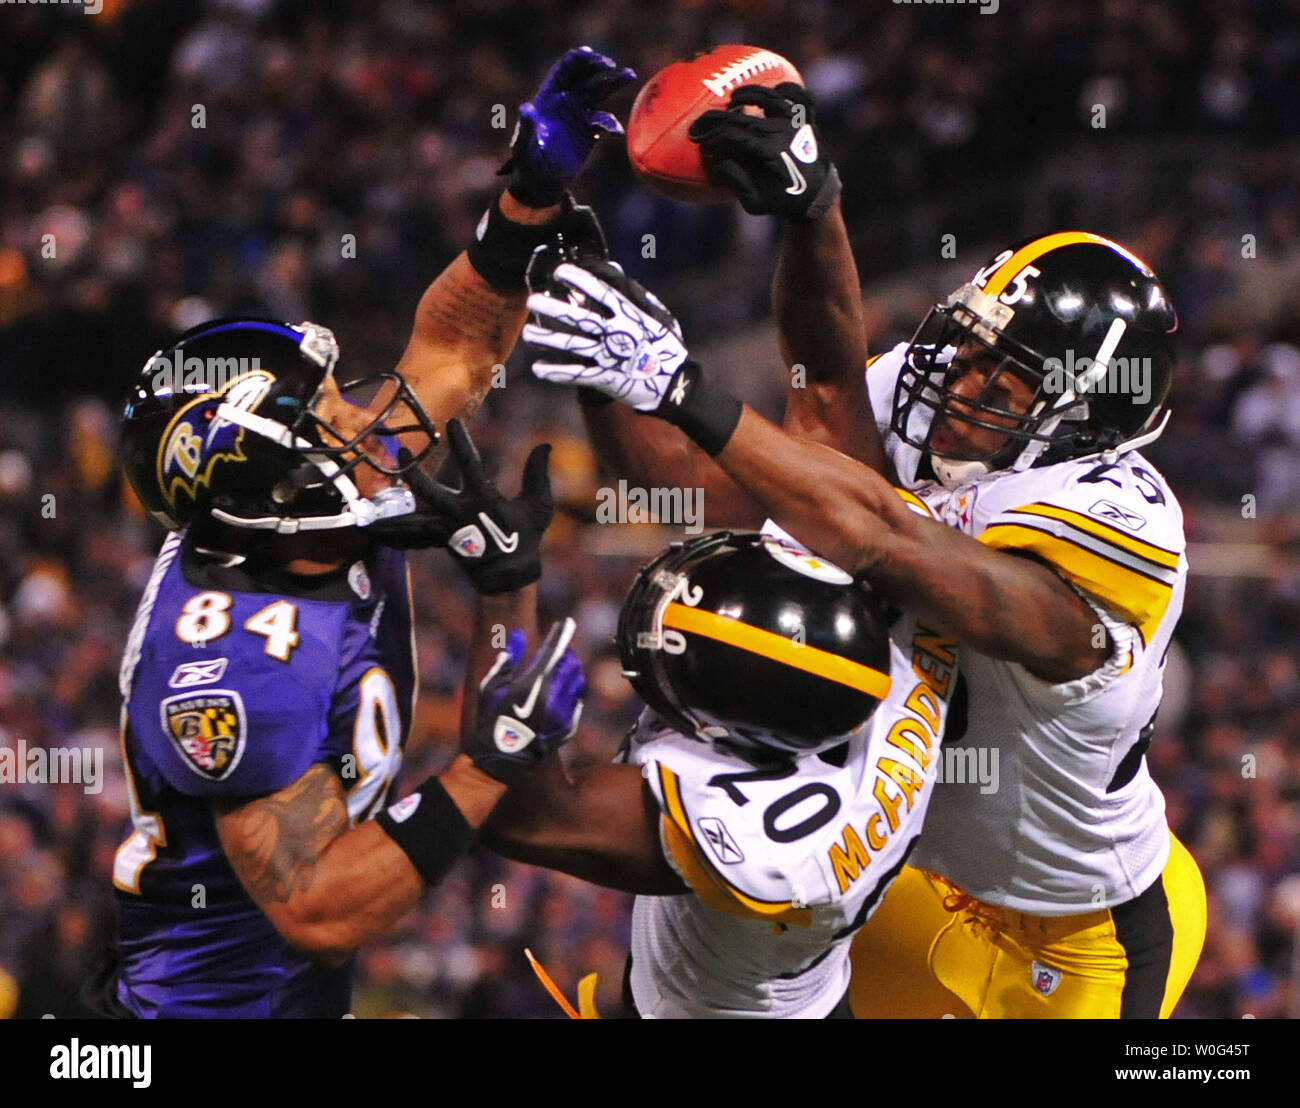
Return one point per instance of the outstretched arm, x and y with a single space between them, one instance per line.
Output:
766 136
818 310
816 302
464 325
1001 604
817 305
649 452
328 888
468 320
602 827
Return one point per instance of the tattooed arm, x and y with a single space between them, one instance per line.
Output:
329 889
463 327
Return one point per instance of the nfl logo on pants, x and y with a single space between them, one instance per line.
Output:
1045 978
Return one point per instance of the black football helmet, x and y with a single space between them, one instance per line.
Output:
748 641
1081 320
221 428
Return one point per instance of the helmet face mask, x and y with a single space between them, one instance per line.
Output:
242 423
1058 349
750 643
395 415
1007 400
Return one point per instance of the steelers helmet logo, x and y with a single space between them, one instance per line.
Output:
207 731
802 560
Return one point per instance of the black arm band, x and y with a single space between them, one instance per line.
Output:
825 196
429 828
593 398
706 413
502 249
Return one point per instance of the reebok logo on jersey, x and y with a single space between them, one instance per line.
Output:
188 674
1044 978
723 847
1113 513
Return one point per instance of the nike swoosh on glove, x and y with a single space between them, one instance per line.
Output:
523 715
495 540
775 163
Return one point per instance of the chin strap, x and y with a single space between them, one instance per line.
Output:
953 475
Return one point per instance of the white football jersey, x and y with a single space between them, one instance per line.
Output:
784 863
1075 823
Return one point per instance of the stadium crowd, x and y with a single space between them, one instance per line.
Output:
166 161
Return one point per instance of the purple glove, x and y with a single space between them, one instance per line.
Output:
559 126
523 716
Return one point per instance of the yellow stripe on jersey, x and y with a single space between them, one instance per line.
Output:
810 659
1001 277
707 882
867 363
1103 531
1141 600
914 502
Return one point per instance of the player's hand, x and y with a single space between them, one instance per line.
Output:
594 326
497 541
559 126
774 163
524 714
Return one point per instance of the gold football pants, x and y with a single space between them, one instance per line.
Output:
930 950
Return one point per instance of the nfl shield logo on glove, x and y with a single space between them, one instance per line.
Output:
468 542
645 364
511 736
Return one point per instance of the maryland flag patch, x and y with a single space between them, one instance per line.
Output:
208 730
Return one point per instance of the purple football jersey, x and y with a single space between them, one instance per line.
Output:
235 681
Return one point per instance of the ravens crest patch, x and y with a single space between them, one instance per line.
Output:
208 731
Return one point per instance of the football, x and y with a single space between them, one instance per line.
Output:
658 145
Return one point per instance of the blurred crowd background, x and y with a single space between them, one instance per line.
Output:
166 161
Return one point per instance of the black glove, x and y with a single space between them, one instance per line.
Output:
523 716
497 541
774 163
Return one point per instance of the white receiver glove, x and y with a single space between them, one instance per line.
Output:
595 326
